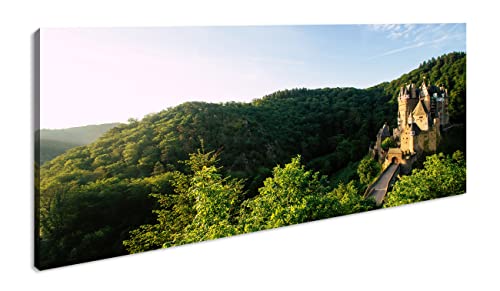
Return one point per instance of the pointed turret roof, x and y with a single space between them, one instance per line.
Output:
424 90
420 109
404 93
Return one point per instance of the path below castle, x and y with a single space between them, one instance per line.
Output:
379 189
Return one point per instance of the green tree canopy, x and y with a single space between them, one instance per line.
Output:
201 207
388 143
292 195
441 176
368 169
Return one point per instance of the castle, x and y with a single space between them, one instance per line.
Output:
421 114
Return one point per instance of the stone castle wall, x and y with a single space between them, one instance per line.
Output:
427 141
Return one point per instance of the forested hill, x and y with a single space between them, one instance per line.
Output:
448 70
92 196
54 142
328 127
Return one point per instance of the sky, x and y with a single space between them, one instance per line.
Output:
101 75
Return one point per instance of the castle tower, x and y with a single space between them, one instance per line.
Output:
425 95
411 134
403 107
407 101
403 112
411 142
413 90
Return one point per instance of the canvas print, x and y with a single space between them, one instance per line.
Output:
152 138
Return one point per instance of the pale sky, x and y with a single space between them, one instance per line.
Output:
100 75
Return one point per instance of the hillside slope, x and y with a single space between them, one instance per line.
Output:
54 142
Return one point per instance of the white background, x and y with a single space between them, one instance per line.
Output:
447 244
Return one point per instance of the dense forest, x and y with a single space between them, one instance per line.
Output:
200 171
54 142
448 70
